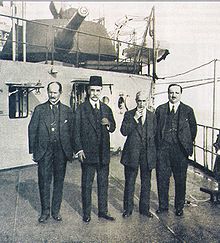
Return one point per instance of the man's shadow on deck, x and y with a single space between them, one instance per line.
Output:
30 192
72 195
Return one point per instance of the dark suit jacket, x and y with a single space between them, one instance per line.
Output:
39 130
187 127
86 136
132 148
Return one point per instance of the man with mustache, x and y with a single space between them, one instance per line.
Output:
51 143
176 132
93 123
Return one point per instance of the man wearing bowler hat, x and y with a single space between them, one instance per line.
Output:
93 123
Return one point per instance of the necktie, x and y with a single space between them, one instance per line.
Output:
173 110
55 111
140 121
96 110
54 108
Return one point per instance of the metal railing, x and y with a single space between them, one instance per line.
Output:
203 148
44 46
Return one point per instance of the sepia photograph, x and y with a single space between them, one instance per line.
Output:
109 121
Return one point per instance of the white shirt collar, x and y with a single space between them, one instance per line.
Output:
56 104
92 102
144 115
176 105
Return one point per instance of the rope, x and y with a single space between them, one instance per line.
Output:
191 70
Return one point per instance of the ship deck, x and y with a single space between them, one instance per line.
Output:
20 209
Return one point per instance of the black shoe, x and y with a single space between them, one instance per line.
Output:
106 216
126 214
179 212
43 218
86 219
148 214
161 210
57 217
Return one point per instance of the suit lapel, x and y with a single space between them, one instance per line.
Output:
47 116
148 124
103 110
163 115
89 112
62 114
182 116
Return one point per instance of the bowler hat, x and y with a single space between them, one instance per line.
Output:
95 81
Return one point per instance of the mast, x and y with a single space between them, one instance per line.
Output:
154 58
139 53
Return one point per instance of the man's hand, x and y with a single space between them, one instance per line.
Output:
105 122
81 156
138 114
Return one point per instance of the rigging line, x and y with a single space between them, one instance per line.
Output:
193 69
187 87
188 81
137 18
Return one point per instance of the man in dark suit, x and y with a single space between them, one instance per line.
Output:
93 123
176 132
51 143
139 125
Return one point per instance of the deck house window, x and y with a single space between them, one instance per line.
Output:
18 102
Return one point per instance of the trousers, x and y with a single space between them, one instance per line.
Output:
52 165
130 179
171 159
88 174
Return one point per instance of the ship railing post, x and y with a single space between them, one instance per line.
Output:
203 140
194 152
24 30
47 47
13 32
148 64
52 51
213 111
154 46
206 146
99 50
77 49
17 41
